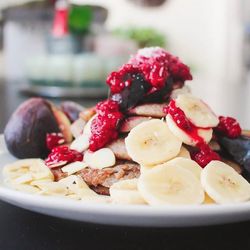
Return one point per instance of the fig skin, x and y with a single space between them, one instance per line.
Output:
239 150
71 110
25 132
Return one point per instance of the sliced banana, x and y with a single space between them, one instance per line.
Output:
27 188
25 178
188 164
184 153
223 184
126 192
170 185
35 168
99 159
197 111
51 188
87 127
74 167
205 134
81 143
176 92
77 186
152 142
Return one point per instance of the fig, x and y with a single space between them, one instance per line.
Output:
77 127
63 122
71 110
163 94
238 149
132 95
25 132
87 114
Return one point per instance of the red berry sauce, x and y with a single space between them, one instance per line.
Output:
117 81
104 125
183 122
54 139
229 127
155 64
62 155
204 154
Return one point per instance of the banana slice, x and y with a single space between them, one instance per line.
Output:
77 186
176 92
101 158
205 134
223 184
197 111
81 143
74 167
51 188
35 168
151 143
25 188
184 153
87 127
188 164
126 192
170 185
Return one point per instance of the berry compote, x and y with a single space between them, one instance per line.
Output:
229 127
104 125
62 155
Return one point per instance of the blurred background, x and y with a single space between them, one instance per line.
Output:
65 49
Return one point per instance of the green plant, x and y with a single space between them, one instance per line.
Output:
144 37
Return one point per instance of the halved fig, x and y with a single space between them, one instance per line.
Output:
238 149
132 122
119 149
150 110
77 127
64 123
87 114
71 110
25 132
134 94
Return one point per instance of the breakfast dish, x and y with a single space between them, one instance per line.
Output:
151 142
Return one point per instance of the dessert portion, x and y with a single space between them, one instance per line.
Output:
150 142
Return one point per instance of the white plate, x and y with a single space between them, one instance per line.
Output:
131 215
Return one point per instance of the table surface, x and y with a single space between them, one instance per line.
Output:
22 229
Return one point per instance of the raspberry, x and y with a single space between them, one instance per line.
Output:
204 155
156 73
64 155
229 127
53 140
117 81
107 107
104 126
178 70
156 65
